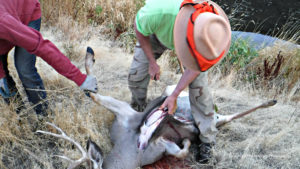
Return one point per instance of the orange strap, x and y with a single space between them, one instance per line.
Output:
203 63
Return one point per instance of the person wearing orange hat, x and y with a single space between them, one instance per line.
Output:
200 33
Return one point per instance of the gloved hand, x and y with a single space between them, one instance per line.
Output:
4 90
90 84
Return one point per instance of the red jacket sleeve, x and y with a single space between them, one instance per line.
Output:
30 39
2 72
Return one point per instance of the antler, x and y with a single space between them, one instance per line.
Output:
63 135
74 163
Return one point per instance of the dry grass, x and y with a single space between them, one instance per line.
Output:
115 17
118 13
285 80
265 139
273 73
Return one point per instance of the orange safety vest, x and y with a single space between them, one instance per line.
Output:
203 63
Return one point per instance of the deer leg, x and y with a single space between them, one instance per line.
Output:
110 103
223 119
120 108
173 149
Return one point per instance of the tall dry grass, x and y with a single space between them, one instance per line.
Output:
115 17
118 13
272 72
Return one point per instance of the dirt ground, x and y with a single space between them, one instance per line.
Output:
267 138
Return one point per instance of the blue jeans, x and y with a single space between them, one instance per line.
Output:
30 78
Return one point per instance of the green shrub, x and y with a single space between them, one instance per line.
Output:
239 56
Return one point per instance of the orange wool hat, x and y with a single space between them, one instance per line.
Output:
202 34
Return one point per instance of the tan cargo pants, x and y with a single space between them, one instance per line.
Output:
201 101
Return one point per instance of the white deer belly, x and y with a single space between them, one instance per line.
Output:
151 123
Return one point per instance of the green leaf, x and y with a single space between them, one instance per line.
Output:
98 9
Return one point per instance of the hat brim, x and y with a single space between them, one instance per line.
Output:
180 31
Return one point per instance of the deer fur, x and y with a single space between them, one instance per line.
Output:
173 133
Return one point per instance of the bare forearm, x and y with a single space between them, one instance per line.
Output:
187 77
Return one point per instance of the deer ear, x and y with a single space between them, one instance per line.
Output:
94 153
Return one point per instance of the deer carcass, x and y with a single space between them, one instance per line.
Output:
141 138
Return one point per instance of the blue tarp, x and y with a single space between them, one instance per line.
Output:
259 41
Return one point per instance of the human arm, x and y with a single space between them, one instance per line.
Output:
21 35
2 72
187 77
154 69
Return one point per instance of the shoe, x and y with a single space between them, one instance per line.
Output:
205 153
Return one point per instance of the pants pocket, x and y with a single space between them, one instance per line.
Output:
137 75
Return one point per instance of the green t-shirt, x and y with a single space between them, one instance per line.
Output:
158 17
